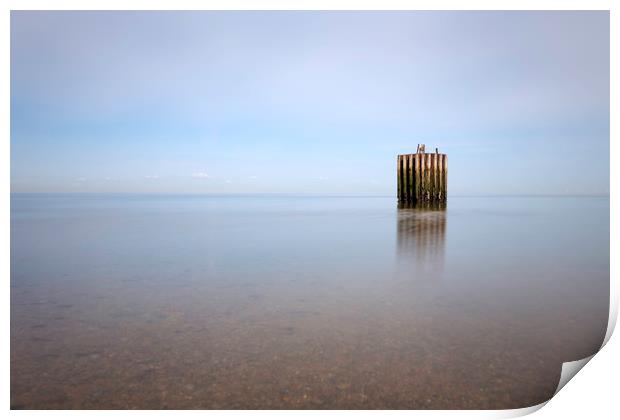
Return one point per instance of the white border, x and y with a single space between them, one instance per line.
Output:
596 387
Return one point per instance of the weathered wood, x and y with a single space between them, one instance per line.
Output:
429 185
434 189
400 176
422 177
418 177
403 165
408 189
445 177
410 181
421 169
436 175
440 176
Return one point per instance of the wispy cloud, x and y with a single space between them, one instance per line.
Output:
151 176
201 175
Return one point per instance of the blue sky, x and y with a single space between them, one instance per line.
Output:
308 102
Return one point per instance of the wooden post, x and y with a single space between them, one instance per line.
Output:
410 177
434 190
437 175
404 178
407 183
418 174
399 176
440 176
445 177
429 184
422 177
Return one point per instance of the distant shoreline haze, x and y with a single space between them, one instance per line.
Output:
293 194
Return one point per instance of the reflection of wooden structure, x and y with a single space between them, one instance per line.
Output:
421 231
422 177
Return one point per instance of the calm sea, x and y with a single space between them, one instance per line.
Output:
170 301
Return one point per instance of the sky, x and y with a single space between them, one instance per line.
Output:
308 102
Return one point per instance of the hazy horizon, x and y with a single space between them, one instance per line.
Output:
318 194
308 102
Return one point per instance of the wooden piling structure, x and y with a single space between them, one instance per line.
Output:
422 177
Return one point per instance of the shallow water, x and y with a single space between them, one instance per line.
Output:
164 301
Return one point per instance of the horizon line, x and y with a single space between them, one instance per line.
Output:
291 194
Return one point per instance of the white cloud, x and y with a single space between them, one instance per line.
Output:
151 176
200 175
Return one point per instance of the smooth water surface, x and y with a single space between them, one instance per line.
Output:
164 301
